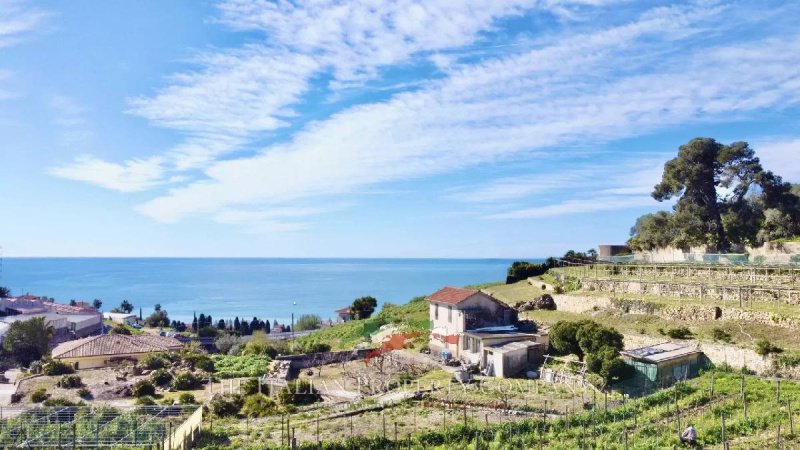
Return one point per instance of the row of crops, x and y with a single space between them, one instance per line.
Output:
736 410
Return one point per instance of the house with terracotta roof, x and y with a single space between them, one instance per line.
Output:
109 349
474 327
345 314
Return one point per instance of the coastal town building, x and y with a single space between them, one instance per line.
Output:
474 327
68 322
123 318
110 349
664 364
345 314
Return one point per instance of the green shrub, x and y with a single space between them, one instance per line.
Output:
679 333
39 395
184 381
145 401
259 405
226 405
143 388
298 392
155 361
84 393
199 361
70 382
250 386
187 398
161 377
765 347
56 367
59 401
718 334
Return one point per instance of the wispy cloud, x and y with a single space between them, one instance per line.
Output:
130 176
523 103
18 18
781 155
610 80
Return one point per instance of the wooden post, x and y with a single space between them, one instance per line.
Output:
711 391
778 390
318 427
744 404
724 442
383 417
465 416
351 427
75 434
395 434
791 418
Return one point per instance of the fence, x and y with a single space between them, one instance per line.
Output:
736 259
184 436
90 427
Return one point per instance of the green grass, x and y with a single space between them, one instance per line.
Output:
412 316
516 292
786 240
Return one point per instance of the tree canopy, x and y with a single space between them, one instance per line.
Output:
28 340
363 307
724 198
5 292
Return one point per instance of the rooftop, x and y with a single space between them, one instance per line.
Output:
660 352
115 344
451 295
516 345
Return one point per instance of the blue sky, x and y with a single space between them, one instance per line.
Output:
374 128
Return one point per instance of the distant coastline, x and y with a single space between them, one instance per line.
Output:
243 287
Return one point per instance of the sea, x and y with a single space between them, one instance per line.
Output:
267 288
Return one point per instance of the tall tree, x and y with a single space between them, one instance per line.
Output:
5 292
28 340
363 307
97 304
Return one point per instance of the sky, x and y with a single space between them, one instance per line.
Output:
372 128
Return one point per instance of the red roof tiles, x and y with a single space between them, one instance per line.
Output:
451 295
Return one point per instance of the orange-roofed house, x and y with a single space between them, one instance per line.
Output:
345 314
472 326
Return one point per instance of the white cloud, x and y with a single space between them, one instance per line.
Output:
590 87
18 19
781 156
581 206
130 176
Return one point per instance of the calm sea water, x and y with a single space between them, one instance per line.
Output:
224 288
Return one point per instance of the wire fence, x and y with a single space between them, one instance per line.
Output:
71 427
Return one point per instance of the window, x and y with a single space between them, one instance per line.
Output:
435 311
466 342
449 313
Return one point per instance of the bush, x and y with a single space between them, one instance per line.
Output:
226 342
298 392
185 381
143 388
70 382
765 347
679 333
226 405
250 386
307 322
39 395
155 361
718 334
259 405
84 393
121 329
56 367
161 377
145 401
187 399
207 332
199 361
59 401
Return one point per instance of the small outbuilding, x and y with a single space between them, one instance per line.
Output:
124 318
510 359
110 349
665 363
345 314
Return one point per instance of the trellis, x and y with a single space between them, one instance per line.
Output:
72 427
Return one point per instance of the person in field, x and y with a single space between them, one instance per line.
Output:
689 436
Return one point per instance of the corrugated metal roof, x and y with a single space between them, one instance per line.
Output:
115 344
660 352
